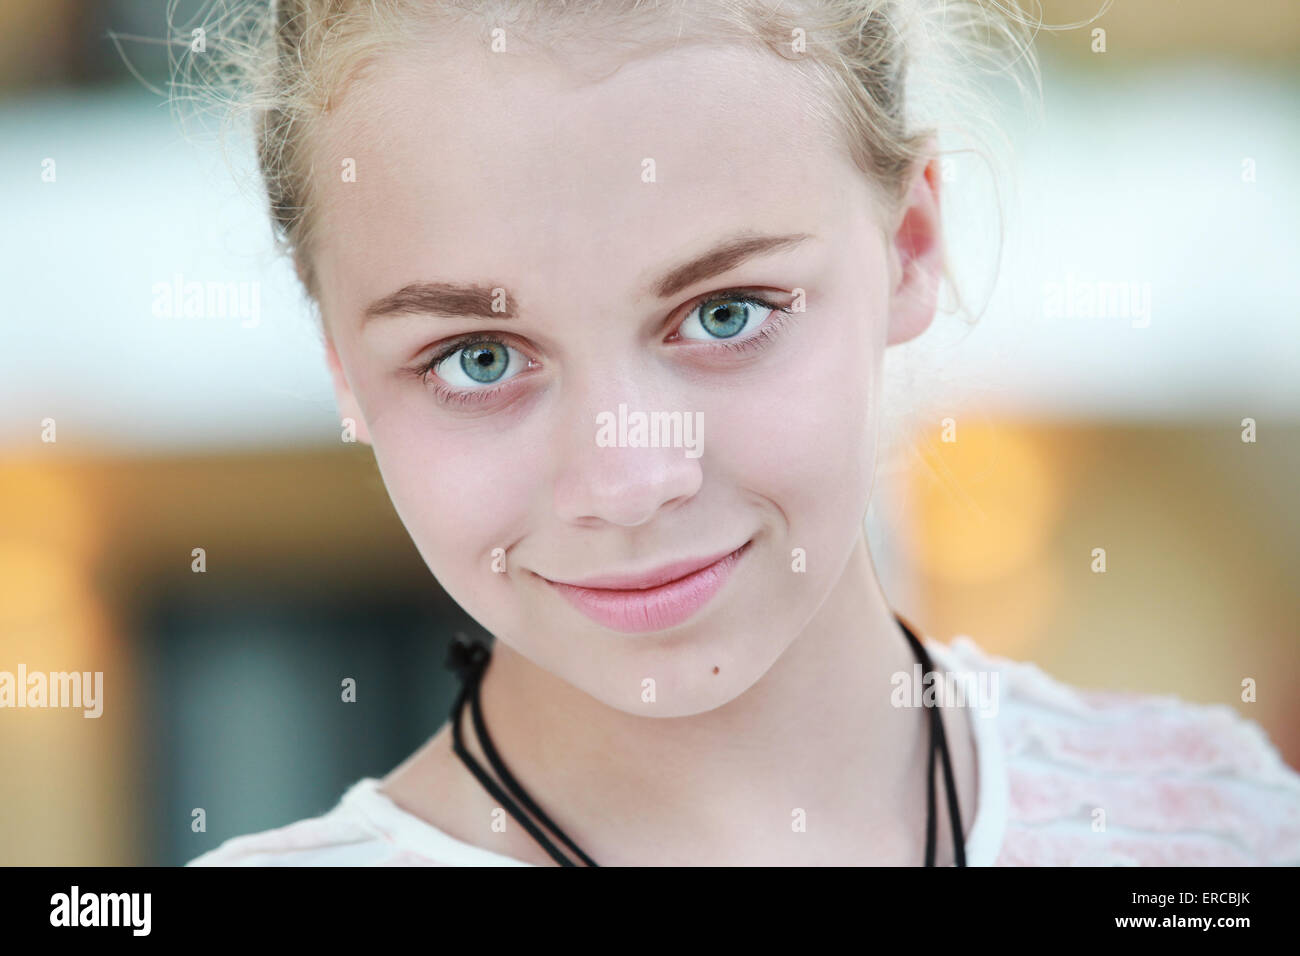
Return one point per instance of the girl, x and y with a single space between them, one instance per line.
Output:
606 287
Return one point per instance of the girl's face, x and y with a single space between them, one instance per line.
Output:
578 231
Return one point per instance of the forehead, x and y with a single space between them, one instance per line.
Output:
477 165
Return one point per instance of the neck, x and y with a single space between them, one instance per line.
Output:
816 734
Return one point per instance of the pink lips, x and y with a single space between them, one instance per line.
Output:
653 601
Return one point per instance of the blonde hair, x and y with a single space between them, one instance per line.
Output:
873 63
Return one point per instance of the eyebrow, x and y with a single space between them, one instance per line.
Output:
459 300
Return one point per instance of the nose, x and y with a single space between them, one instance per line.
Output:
612 472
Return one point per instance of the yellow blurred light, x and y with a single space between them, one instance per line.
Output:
44 504
985 503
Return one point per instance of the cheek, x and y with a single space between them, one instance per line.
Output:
460 492
802 434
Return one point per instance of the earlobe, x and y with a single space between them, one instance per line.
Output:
917 249
343 397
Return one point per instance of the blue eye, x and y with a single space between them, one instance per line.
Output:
725 317
471 371
481 363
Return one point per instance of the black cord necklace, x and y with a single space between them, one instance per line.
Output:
469 660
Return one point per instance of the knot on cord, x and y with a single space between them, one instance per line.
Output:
466 657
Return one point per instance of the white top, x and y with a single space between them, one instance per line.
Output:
1065 777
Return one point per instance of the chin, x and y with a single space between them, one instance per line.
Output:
683 670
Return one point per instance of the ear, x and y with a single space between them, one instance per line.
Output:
347 402
916 255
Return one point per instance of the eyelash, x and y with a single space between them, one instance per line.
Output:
459 397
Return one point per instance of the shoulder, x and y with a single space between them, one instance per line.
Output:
1109 778
344 836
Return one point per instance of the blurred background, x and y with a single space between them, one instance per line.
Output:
1144 310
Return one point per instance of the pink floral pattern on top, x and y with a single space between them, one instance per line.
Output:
1097 778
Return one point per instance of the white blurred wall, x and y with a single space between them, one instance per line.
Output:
1135 181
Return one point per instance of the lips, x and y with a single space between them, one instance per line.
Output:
648 579
653 600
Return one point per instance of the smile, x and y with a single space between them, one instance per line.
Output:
667 602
